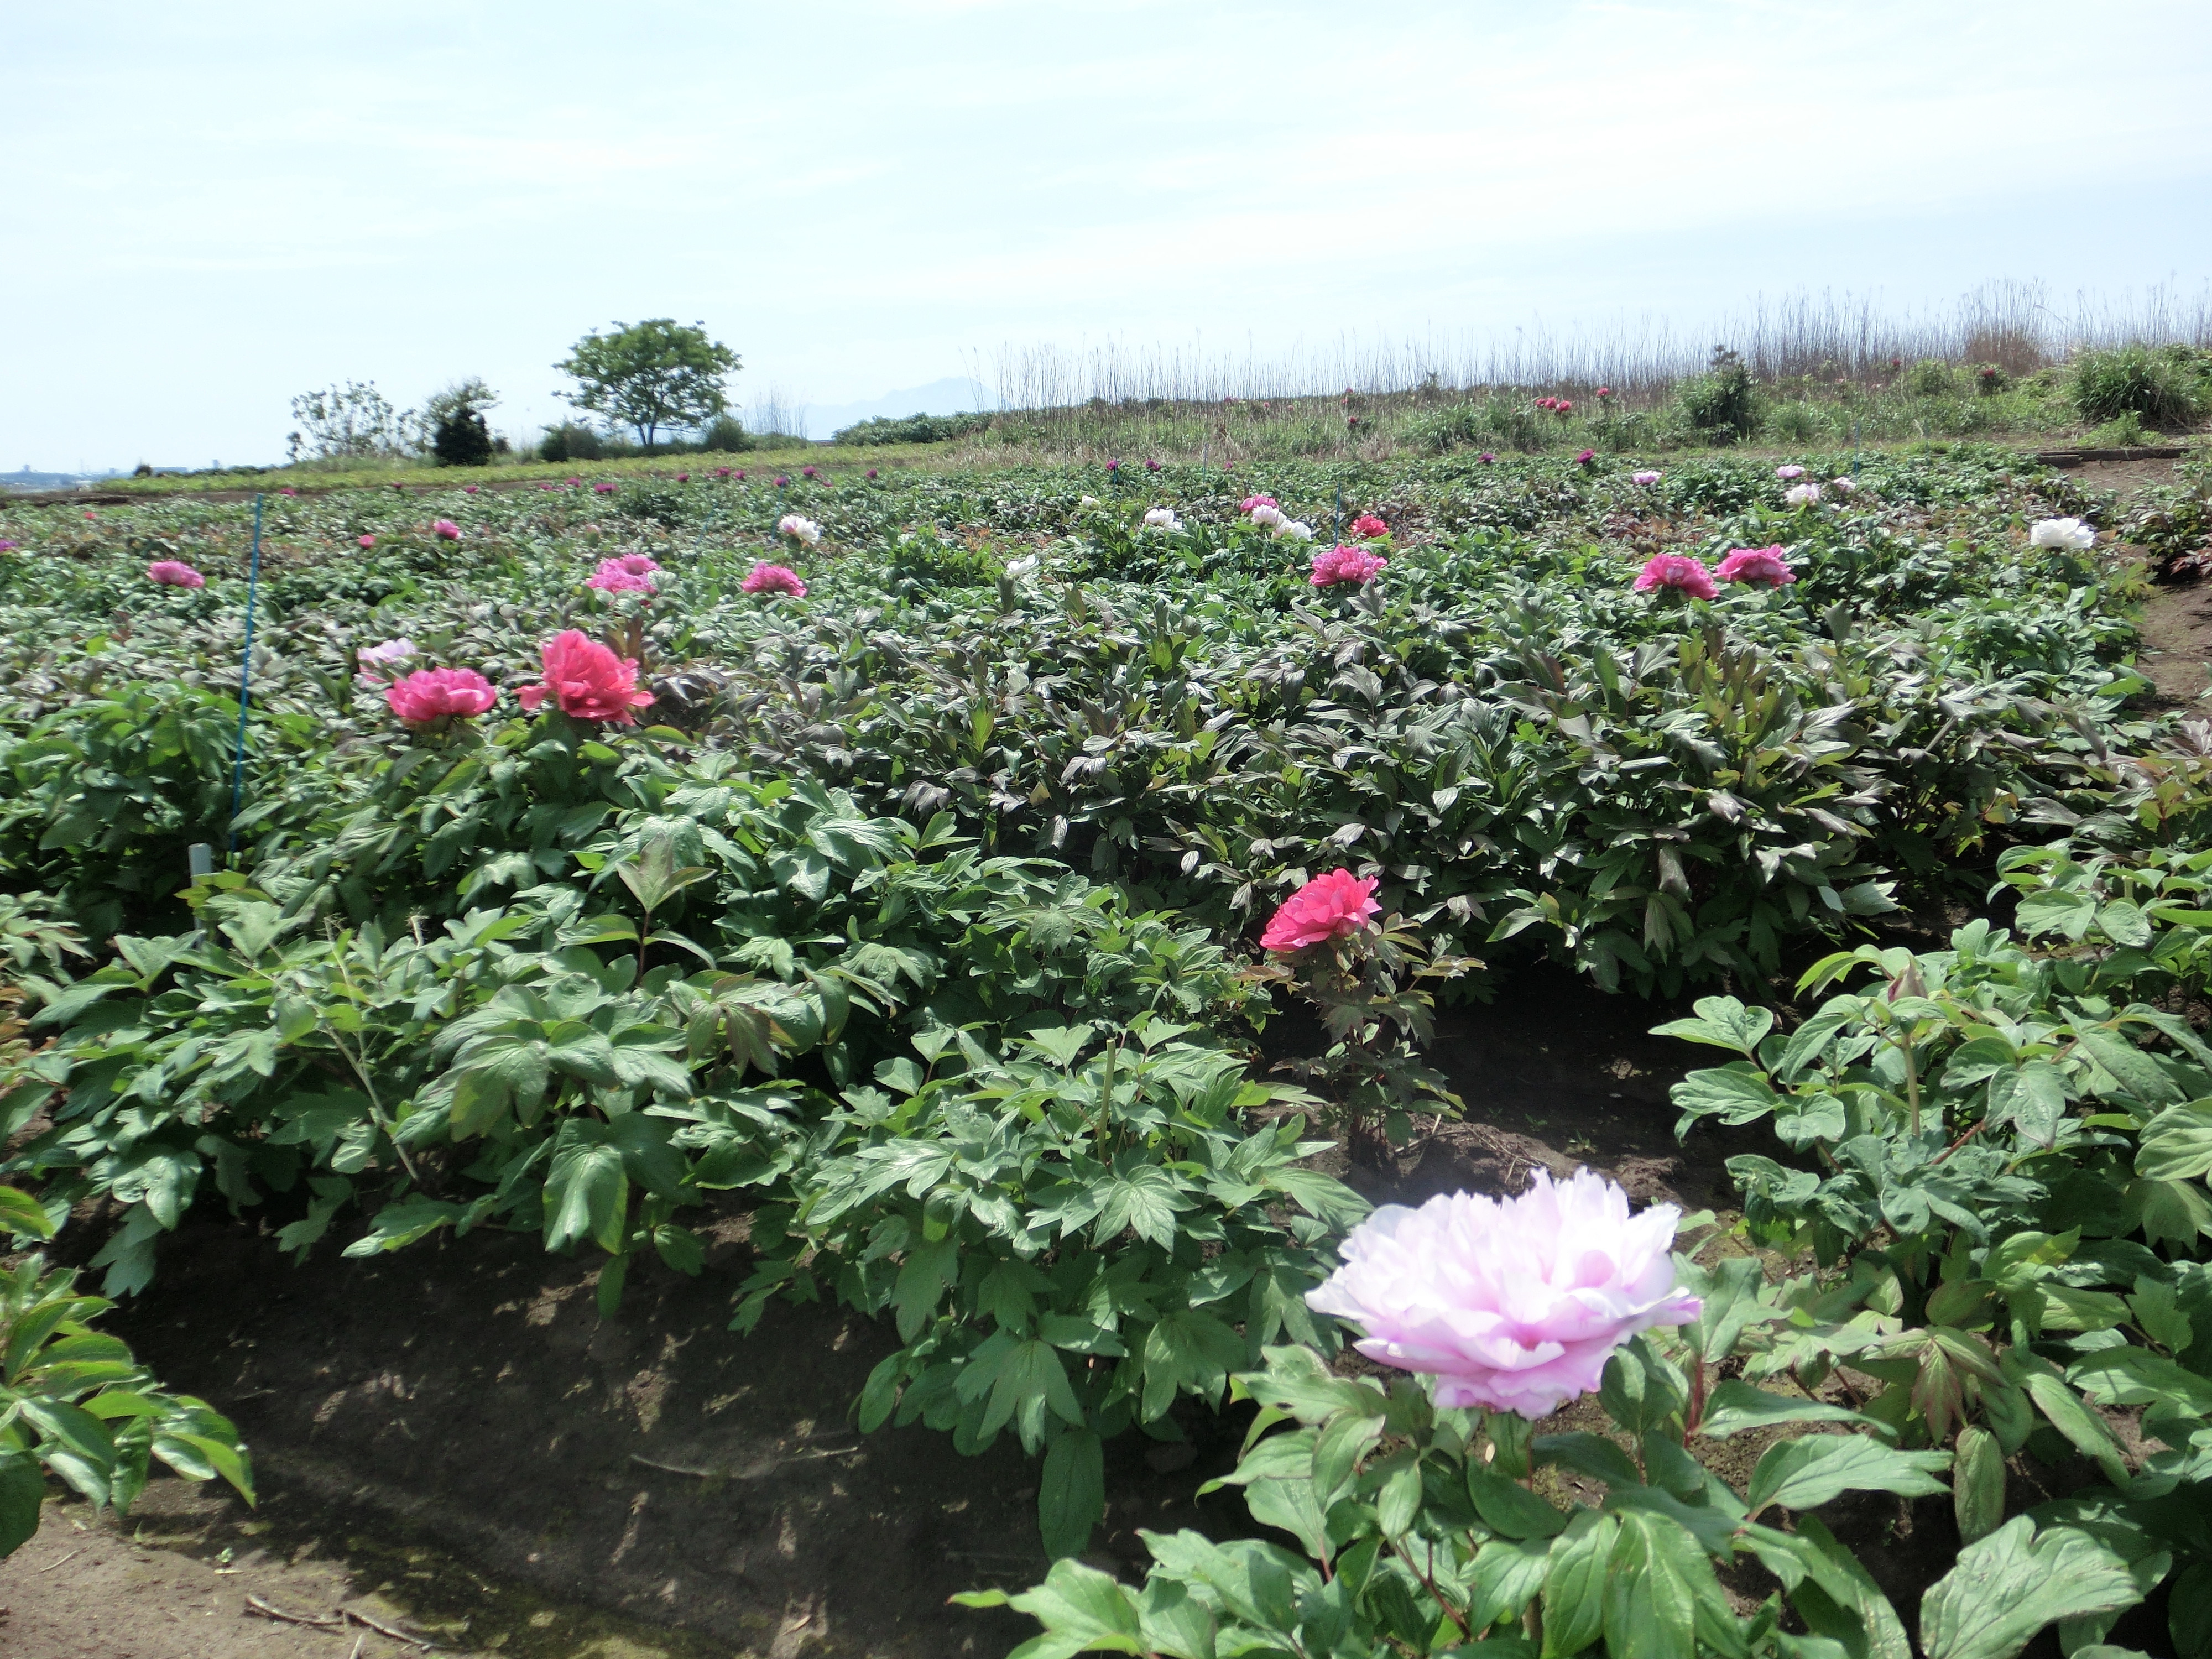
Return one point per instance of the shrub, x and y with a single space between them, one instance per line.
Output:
724 434
462 439
571 440
2122 431
913 429
2166 386
1722 403
1930 377
1501 419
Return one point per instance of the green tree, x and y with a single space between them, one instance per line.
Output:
650 374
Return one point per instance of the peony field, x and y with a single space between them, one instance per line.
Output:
1509 1056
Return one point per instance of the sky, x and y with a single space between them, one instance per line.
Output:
211 208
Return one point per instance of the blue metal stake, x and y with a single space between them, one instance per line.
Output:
245 680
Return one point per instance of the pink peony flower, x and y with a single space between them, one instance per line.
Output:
1254 503
546 486
1786 473
806 471
1113 467
1646 476
721 472
637 564
1331 906
1677 570
430 694
1367 527
611 577
767 578
172 573
1757 564
1605 391
780 481
603 487
1586 458
739 474
1563 406
586 680
1513 1304
7 546
1344 564
287 489
368 540
470 489
447 529
871 472
1486 458
683 478
1152 466
1803 494
1844 486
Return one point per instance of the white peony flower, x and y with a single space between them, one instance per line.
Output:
2069 533
1844 486
1802 495
1020 568
805 530
1296 531
1088 500
1270 518
1163 518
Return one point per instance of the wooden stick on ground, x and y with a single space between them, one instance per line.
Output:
255 1604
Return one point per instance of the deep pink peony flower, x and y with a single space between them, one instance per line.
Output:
430 694
1331 906
871 472
1677 570
1565 406
721 472
780 481
1510 1303
613 576
368 540
586 680
447 530
806 472
766 577
1113 467
172 573
470 489
1152 466
7 546
1254 503
1586 458
1757 564
1344 564
739 474
287 489
1605 391
1367 527
603 487
1486 458
683 478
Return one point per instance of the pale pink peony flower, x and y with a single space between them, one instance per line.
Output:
799 529
382 656
1757 564
1677 570
172 572
1844 486
1254 503
2071 534
1644 477
586 680
447 530
1367 527
1331 906
1514 1304
613 577
1270 518
1786 473
1344 564
1803 494
766 577
430 694
1296 530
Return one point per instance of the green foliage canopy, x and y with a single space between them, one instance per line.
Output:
650 374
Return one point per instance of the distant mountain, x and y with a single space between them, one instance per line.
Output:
955 396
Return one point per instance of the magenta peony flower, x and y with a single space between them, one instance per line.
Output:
286 489
806 472
1331 906
603 487
1344 564
1786 473
447 529
871 472
547 486
1586 458
1367 527
683 478
470 489
739 474
586 680
1113 467
1152 466
431 695
721 472
172 573
780 481
766 577
368 540
1677 570
1486 458
1514 1304
613 577
7 546
1757 564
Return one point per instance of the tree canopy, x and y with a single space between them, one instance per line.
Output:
650 374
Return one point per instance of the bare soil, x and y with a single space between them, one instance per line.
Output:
451 1438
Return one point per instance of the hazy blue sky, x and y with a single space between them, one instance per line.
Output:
211 207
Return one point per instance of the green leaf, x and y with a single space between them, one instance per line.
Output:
1071 1491
1031 1381
22 1215
1588 1453
1508 1573
586 1188
1508 1508
922 1281
2133 1070
23 1490
1187 1349
1806 1472
2032 1098
1734 1406
2005 1589
1651 1590
1737 1093
1835 1594
1574 1584
1977 1483
1083 1610
2177 1144
1721 1023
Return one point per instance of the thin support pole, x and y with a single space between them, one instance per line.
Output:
245 680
